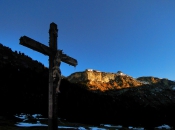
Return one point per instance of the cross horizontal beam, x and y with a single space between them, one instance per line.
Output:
68 60
39 47
34 45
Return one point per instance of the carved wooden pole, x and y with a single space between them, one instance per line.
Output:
52 114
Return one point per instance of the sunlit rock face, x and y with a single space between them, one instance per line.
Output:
96 80
95 76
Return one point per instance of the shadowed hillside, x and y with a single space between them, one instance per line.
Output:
88 97
24 83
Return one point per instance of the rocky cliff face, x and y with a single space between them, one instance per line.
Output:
95 76
103 81
96 80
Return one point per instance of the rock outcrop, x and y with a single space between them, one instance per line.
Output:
103 81
92 75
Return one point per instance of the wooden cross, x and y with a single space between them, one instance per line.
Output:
55 58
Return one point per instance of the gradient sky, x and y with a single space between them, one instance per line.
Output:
136 37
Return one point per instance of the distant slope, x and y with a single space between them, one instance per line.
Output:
7 56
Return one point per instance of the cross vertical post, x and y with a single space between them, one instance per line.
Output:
52 114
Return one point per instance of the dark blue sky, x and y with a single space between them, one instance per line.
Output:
133 36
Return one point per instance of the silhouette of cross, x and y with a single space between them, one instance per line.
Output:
55 58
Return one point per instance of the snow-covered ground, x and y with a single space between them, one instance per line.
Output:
25 117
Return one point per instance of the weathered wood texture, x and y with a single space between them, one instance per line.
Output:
34 45
52 114
39 47
68 60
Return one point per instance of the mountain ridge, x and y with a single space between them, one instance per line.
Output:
103 81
